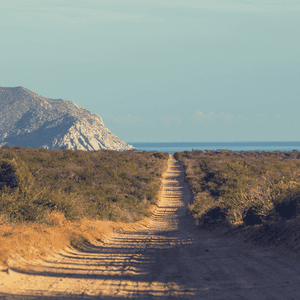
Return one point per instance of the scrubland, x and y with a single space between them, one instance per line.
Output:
251 191
51 199
54 198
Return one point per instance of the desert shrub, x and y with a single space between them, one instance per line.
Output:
96 184
16 186
8 176
288 208
214 214
252 216
14 173
249 187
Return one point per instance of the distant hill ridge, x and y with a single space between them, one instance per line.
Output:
28 119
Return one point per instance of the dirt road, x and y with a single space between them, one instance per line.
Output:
167 260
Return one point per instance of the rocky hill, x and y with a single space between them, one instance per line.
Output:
28 119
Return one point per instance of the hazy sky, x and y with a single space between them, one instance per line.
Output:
162 70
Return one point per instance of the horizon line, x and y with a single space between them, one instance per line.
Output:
215 142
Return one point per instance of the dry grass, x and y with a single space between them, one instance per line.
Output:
33 240
253 194
250 188
102 185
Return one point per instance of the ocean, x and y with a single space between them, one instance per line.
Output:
235 146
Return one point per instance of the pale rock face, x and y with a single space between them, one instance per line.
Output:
28 119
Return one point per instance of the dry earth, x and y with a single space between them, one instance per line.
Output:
168 259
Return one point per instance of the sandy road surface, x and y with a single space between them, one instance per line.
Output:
167 260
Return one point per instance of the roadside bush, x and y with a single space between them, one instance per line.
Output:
252 216
247 187
214 215
14 173
98 184
289 208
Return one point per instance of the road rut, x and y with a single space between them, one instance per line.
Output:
168 259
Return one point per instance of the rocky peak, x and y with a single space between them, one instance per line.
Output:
28 119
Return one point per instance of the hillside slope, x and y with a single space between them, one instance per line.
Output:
30 120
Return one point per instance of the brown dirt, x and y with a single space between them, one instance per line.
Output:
169 258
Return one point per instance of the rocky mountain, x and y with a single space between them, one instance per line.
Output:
28 119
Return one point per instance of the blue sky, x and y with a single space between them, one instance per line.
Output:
162 70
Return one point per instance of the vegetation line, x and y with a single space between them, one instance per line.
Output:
251 191
54 198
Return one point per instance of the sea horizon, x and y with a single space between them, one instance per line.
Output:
172 147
